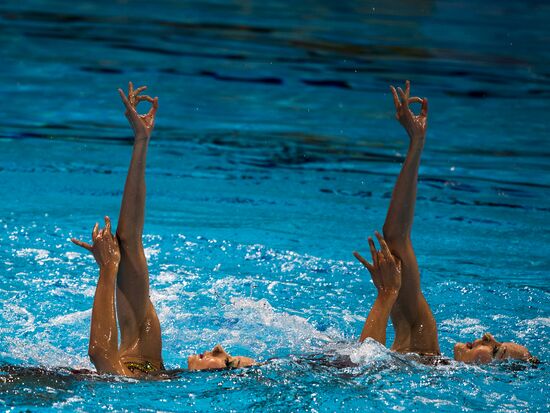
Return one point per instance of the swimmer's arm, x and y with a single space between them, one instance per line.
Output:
377 320
399 220
385 271
103 346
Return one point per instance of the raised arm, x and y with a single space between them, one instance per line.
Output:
140 335
415 327
103 346
400 216
132 209
385 271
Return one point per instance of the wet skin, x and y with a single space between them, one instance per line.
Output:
394 269
216 359
121 301
486 349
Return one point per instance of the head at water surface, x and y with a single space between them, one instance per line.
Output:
216 359
487 348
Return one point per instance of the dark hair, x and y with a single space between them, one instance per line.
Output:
533 360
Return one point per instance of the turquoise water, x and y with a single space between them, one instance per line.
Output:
274 157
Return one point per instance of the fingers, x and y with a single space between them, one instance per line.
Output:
397 263
424 111
404 97
125 99
95 231
407 88
144 97
383 246
363 261
415 99
153 110
373 252
139 90
395 98
107 225
130 89
82 244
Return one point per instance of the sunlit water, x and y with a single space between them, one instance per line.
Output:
274 157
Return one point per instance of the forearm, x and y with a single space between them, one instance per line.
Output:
103 346
377 320
400 215
132 209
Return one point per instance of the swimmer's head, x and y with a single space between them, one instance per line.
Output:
217 359
486 349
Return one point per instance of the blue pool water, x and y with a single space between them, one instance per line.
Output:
274 157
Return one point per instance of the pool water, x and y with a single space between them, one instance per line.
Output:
274 156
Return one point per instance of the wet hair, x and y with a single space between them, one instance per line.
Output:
533 360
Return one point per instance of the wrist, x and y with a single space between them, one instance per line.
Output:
388 295
417 141
108 268
141 137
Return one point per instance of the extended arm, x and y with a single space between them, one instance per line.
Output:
399 219
139 325
385 271
415 327
132 209
103 346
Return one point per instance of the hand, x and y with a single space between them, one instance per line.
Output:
415 125
141 124
105 246
385 269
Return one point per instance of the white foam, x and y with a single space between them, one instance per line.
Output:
70 318
279 329
151 252
466 326
71 255
18 316
367 352
41 256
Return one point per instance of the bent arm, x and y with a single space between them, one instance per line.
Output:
103 346
377 320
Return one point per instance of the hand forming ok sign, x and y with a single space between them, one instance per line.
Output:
141 124
415 125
